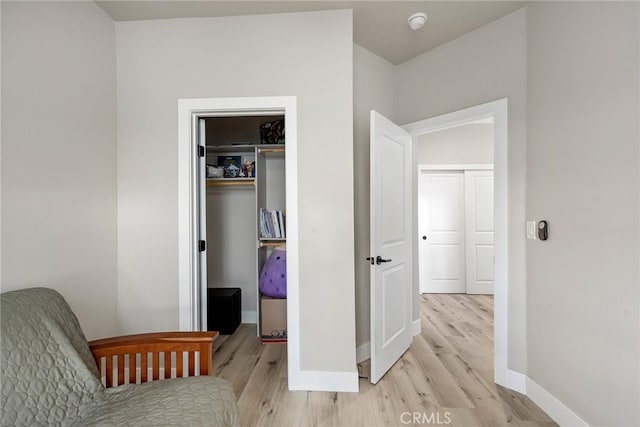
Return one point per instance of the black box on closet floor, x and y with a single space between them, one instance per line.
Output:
223 309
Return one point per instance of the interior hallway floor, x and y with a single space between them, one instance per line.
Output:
445 378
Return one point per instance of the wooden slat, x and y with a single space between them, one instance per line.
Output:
120 369
109 371
98 360
179 364
132 368
167 365
205 359
143 366
192 363
156 366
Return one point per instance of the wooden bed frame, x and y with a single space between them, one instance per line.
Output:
138 349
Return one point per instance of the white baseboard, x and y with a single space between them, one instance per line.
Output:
325 381
552 406
363 352
417 327
516 381
513 380
249 317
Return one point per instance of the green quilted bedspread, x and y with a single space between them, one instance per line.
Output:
49 377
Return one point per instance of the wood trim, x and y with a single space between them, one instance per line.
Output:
154 343
222 182
265 150
159 337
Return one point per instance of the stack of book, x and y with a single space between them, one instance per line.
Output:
272 224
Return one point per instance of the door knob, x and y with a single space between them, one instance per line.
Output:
424 237
379 260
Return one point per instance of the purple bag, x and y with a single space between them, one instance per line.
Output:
273 277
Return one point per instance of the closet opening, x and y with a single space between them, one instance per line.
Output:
243 220
237 169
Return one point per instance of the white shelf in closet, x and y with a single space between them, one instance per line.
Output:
230 182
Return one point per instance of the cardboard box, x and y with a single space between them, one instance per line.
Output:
274 318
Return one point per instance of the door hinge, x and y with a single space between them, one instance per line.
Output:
202 245
200 151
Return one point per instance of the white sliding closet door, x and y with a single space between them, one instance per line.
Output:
442 254
456 231
479 231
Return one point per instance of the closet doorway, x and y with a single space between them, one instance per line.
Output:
238 162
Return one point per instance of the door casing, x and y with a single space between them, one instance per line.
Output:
499 111
190 291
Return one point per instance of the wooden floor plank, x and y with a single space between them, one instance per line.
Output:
447 374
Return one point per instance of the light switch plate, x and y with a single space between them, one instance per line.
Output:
531 230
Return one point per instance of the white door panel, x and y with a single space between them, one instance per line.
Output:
479 231
445 262
391 284
202 208
484 263
442 253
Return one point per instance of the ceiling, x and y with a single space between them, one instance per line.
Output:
379 26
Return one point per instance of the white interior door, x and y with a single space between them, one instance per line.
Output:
442 238
391 281
202 225
479 231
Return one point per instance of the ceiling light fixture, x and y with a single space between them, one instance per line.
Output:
417 20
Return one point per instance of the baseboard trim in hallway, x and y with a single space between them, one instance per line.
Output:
552 406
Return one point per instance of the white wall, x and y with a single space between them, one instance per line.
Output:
466 144
59 156
482 66
309 55
231 241
582 176
373 89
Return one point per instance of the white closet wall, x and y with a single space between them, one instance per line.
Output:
231 241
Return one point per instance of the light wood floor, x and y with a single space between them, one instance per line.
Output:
447 374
